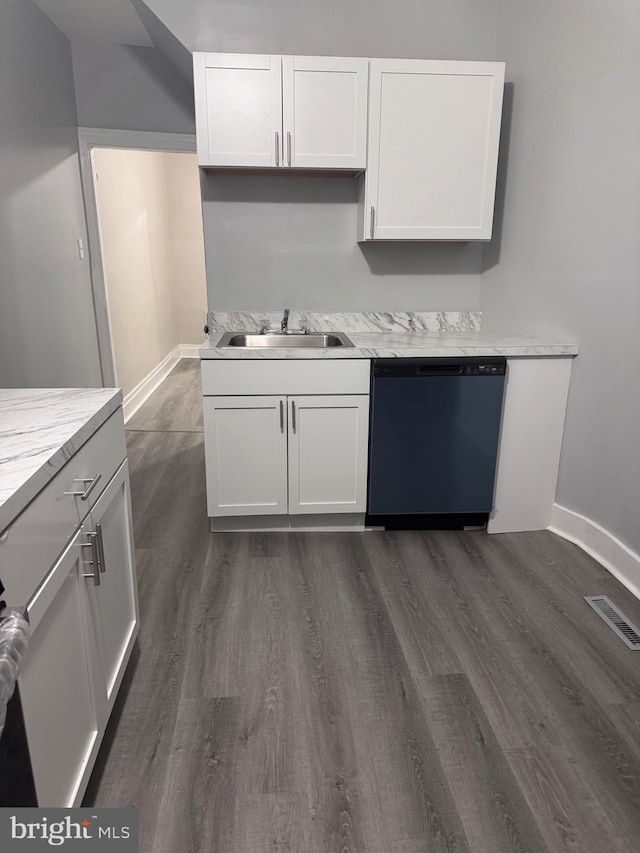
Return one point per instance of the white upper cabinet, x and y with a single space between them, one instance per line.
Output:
434 129
281 112
238 102
325 112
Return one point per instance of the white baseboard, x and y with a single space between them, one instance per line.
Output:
190 350
143 390
614 555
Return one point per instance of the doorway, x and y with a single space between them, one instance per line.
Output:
147 252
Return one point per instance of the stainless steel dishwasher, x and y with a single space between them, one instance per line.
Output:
433 445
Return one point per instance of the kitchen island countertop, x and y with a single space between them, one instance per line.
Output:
40 430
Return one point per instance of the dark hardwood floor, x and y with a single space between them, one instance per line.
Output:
380 692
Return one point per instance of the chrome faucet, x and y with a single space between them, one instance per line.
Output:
284 327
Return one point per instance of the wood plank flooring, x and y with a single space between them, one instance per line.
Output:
378 692
176 404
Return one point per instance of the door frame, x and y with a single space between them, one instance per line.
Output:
96 137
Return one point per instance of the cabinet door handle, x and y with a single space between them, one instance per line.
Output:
289 147
100 541
93 482
373 219
281 415
277 148
95 559
293 416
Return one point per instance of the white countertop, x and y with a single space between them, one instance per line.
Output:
421 344
40 430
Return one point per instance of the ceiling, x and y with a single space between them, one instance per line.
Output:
114 21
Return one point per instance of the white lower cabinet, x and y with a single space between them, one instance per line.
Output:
328 453
273 455
83 610
533 414
246 451
56 686
113 603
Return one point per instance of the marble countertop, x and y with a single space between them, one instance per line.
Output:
395 344
40 430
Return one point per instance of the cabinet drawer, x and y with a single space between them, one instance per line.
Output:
32 544
56 685
291 376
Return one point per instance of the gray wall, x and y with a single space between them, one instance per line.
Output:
124 87
47 326
282 240
286 240
429 29
568 263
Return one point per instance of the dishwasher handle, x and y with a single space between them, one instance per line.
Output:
435 370
476 366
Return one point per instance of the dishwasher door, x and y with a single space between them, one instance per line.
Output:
434 434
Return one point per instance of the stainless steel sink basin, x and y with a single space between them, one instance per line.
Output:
313 340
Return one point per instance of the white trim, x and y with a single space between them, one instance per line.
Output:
603 546
191 350
96 267
89 138
146 140
143 390
103 272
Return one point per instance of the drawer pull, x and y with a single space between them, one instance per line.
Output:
101 558
93 482
95 559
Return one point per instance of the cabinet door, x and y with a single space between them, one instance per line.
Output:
114 603
238 102
328 453
56 684
325 112
245 442
433 148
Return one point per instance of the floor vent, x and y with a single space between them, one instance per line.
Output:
616 620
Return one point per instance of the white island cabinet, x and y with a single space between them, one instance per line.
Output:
113 602
56 685
299 448
69 557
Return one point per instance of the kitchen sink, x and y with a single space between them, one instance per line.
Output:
312 340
